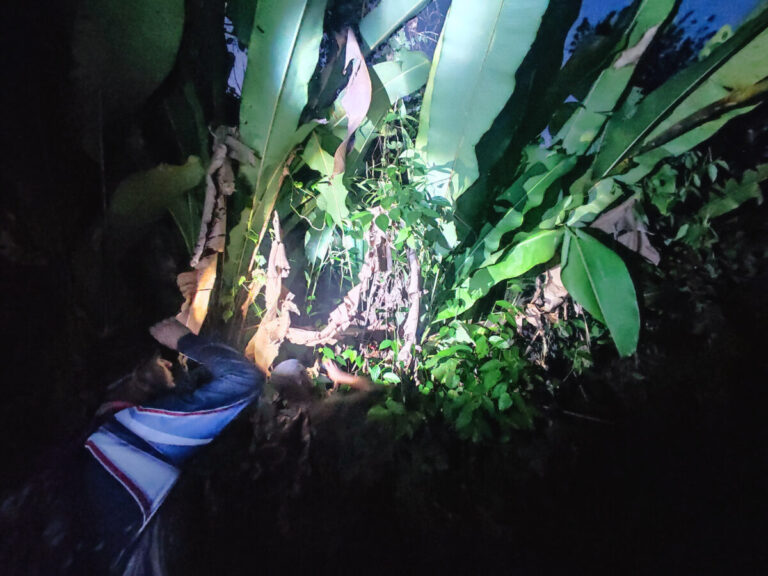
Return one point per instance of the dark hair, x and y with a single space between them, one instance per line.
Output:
148 377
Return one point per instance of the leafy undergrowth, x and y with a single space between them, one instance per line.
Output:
653 463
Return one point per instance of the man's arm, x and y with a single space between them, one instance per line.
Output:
233 378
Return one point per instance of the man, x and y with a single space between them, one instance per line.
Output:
148 432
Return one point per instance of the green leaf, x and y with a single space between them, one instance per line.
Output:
472 77
505 401
394 406
240 12
378 413
736 193
145 196
600 196
122 51
390 82
402 76
186 212
534 250
597 279
318 239
526 193
391 378
388 17
382 221
465 416
584 126
481 346
282 56
740 57
316 157
743 69
540 87
332 197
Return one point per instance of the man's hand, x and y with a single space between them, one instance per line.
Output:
168 332
338 376
187 283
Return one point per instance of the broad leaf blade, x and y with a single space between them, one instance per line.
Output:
282 56
600 196
388 17
623 135
332 197
743 70
538 248
122 51
186 213
583 127
472 77
145 196
736 193
240 13
404 75
539 88
316 157
527 193
597 279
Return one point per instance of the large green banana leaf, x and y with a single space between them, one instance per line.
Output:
688 89
583 127
540 88
144 197
384 20
122 51
240 13
472 77
748 66
538 248
282 57
598 279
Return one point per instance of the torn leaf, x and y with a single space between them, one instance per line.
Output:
356 99
632 55
626 228
264 347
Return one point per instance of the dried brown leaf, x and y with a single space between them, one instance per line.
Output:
264 347
356 99
626 228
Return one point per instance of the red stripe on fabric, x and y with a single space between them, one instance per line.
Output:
112 407
135 491
195 413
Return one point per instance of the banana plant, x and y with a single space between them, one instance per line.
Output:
472 77
494 84
614 137
283 55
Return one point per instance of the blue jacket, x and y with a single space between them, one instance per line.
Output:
142 447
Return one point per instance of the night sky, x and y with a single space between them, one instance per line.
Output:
725 12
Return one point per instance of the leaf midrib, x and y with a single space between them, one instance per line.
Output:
486 55
589 277
256 196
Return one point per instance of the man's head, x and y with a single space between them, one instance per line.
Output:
292 382
152 377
